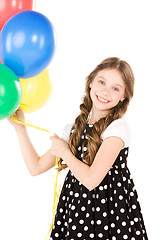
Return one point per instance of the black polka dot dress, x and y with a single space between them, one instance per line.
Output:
111 211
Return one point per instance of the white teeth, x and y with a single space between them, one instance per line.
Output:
102 99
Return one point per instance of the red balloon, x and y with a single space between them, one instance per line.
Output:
10 7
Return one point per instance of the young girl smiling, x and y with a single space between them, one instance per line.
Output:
98 199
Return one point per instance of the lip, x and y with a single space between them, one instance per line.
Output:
102 100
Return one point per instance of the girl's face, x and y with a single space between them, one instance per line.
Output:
107 90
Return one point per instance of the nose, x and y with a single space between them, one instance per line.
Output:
106 91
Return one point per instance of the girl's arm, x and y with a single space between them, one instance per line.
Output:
91 176
35 164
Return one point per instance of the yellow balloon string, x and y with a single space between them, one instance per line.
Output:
27 123
55 180
56 197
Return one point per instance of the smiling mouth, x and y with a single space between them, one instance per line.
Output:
102 99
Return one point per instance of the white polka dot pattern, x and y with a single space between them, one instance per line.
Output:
110 211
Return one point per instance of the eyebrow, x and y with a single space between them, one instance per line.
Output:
106 80
118 85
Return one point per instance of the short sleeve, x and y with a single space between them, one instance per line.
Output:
118 128
66 132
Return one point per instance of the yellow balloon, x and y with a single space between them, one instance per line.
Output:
35 91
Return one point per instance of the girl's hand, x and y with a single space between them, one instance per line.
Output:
59 146
18 114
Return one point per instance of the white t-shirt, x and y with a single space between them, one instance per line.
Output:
118 128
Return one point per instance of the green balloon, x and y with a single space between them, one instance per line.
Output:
10 92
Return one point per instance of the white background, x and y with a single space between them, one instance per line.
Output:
87 32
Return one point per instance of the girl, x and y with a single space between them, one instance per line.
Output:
98 199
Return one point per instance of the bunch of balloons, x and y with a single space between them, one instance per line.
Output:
27 46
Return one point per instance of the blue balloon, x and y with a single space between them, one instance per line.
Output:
27 43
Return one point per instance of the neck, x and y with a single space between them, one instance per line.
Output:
95 116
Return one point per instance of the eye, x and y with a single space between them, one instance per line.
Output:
115 89
101 82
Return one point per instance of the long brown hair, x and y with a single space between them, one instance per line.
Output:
94 138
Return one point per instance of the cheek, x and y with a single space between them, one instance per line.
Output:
116 97
95 88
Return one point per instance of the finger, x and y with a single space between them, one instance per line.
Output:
13 115
52 137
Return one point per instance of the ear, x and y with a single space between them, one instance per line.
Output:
123 98
90 85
